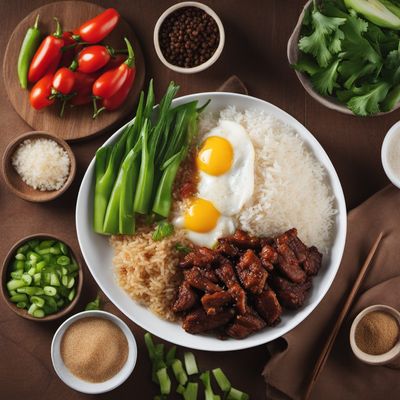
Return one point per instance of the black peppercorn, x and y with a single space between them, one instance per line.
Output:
188 37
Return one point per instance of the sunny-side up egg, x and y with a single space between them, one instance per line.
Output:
225 168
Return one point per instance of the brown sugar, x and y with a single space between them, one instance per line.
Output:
377 333
94 349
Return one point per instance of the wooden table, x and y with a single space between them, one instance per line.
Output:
255 50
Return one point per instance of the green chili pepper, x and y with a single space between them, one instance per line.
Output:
28 48
93 305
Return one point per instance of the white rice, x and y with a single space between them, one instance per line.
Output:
290 188
42 164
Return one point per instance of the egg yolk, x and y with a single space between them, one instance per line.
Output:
215 156
201 216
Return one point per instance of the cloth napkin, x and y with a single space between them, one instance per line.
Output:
345 377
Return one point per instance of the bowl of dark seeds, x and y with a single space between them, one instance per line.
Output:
189 37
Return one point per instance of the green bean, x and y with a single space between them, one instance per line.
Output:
18 298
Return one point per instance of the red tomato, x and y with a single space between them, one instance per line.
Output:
48 51
115 101
96 29
82 88
64 80
111 81
40 93
92 58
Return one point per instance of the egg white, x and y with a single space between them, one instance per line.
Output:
230 191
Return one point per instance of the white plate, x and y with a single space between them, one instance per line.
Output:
98 253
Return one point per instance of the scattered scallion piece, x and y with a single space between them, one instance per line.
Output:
222 380
93 305
179 372
164 381
235 394
190 363
191 391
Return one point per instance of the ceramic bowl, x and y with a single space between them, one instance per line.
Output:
207 63
388 154
18 186
99 254
4 278
293 54
392 356
88 387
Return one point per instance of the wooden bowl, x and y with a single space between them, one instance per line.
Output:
293 54
15 182
77 122
4 277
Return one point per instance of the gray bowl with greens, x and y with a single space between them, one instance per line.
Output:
346 54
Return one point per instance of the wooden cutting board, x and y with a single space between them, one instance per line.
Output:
77 122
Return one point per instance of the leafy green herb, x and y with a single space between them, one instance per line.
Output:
183 249
163 230
350 58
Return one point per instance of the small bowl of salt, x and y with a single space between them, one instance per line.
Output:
390 154
38 166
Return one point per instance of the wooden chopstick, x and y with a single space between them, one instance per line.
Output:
331 339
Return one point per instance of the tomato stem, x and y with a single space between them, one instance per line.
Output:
130 62
74 65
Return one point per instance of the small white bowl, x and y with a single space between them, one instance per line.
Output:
88 387
392 356
217 52
387 147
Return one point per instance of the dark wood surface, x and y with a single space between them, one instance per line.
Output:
76 122
255 50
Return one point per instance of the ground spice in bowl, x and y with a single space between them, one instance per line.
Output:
188 37
94 349
377 333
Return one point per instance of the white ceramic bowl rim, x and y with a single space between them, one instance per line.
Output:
207 63
88 387
386 146
96 250
370 358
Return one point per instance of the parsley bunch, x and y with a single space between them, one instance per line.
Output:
349 58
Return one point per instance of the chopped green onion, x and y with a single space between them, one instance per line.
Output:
63 260
21 304
190 363
27 279
235 394
163 230
38 313
164 381
170 356
191 391
39 301
180 389
19 297
31 290
179 372
32 271
50 291
63 248
32 309
54 281
16 274
15 284
20 256
71 294
55 250
183 249
222 380
93 305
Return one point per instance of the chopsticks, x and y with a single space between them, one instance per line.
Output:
331 339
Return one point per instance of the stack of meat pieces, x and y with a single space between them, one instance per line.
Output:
241 286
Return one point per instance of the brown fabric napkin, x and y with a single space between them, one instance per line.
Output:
344 376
